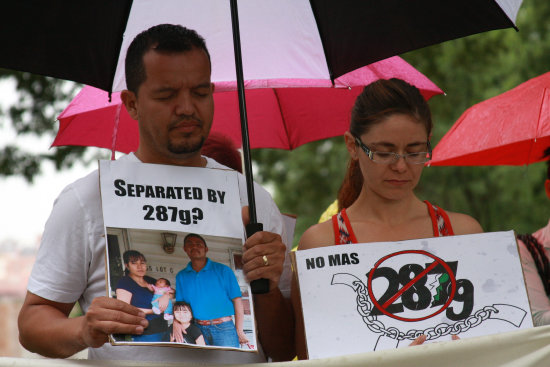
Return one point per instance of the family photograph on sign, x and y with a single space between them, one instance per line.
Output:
189 286
174 245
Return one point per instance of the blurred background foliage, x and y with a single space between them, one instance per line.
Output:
305 181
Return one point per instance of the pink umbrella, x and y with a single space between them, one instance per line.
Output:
512 128
279 117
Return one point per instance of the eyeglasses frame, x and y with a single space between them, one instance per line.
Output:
396 156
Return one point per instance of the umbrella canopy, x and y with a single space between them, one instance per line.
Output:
85 41
512 128
283 118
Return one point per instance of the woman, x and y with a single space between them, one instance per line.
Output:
534 250
183 328
388 142
134 288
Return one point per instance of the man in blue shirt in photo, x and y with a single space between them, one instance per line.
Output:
212 291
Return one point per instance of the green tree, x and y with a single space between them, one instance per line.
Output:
40 100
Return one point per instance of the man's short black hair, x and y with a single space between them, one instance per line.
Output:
194 235
162 38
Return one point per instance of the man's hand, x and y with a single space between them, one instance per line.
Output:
45 326
263 256
110 316
177 333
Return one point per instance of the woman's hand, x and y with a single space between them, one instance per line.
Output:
418 341
242 337
163 301
422 338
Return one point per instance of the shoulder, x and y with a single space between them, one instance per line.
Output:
267 211
318 235
182 272
464 224
150 280
258 189
194 331
124 283
220 267
80 194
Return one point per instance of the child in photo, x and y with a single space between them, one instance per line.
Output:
161 287
184 329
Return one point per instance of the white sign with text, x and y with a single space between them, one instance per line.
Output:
174 250
153 196
373 296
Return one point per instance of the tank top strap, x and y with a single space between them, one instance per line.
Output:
343 233
441 223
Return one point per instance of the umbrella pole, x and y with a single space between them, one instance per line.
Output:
260 285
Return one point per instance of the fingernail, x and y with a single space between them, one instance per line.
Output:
141 314
139 330
144 323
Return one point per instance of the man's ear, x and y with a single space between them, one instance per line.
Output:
547 188
129 100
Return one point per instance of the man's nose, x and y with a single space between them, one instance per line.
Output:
185 104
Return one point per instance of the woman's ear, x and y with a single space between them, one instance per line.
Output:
547 187
350 145
130 102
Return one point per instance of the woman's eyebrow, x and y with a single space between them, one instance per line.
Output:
391 145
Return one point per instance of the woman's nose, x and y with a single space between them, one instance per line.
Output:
400 164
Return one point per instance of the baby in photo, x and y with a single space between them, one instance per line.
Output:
160 288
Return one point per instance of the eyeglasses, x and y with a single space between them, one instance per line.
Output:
391 157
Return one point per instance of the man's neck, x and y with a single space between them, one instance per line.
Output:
198 264
188 160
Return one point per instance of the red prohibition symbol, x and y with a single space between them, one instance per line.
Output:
437 261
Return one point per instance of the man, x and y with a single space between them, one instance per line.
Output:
212 291
170 94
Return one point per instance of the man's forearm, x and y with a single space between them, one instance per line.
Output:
275 325
47 331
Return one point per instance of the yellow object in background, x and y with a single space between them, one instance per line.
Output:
329 212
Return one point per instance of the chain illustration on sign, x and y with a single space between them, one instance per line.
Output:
409 285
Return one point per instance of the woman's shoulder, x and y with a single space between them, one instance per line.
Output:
124 282
463 223
318 235
149 279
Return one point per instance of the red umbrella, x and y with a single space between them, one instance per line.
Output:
283 118
512 128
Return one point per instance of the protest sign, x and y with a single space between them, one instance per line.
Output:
365 297
148 211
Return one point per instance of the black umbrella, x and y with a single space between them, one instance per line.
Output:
85 41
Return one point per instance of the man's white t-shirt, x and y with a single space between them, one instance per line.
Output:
70 264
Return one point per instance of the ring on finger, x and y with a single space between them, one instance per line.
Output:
264 258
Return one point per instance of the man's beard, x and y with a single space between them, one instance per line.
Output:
186 147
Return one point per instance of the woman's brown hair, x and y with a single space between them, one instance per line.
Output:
378 101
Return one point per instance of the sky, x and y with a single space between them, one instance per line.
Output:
25 207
